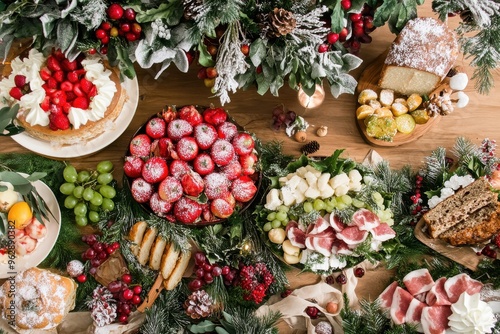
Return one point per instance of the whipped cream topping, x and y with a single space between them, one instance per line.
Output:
30 67
470 315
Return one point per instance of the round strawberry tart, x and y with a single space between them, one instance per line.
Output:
192 166
62 101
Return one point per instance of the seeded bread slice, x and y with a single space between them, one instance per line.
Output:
459 206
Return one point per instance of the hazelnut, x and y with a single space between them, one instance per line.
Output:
322 131
332 307
300 136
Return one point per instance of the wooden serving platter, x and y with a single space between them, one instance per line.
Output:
463 255
369 80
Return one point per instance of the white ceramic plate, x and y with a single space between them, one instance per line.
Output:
44 246
121 123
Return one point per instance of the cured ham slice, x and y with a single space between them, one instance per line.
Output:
296 234
383 232
437 295
336 223
365 220
319 226
414 312
400 302
352 235
385 298
458 284
321 242
340 247
435 319
418 281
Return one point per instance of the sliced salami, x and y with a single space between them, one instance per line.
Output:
383 232
400 304
365 220
458 284
437 295
352 235
435 319
418 281
385 298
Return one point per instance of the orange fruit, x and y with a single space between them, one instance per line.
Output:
20 213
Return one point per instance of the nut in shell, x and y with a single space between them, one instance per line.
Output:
300 136
322 131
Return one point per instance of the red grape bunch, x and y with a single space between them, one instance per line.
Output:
206 272
98 252
127 296
282 117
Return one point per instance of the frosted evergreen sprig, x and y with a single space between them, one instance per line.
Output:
309 27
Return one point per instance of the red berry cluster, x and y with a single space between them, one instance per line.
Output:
208 74
122 23
489 251
416 207
184 154
127 296
98 251
21 87
255 280
282 117
206 272
360 25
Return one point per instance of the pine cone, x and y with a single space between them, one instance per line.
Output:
281 22
310 148
198 305
102 306
466 16
191 8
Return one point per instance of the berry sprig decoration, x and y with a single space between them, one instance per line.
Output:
89 193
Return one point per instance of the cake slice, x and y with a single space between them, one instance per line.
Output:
420 57
459 207
478 227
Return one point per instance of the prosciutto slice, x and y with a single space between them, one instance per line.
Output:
365 220
435 319
418 281
296 234
437 295
458 284
414 312
336 223
319 226
352 235
340 247
385 298
321 242
383 232
400 304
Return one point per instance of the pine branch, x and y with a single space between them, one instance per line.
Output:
488 271
244 320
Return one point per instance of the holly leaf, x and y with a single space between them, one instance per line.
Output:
257 51
383 12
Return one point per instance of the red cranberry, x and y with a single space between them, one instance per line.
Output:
225 270
322 48
115 11
345 4
199 258
136 300
286 293
332 37
127 278
123 318
216 271
354 17
195 284
127 294
129 14
114 286
81 278
89 254
330 280
137 289
359 272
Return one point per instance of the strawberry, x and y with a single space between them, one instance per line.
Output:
243 189
67 86
187 211
205 135
154 170
192 183
156 127
141 190
92 92
227 131
191 115
216 185
20 81
68 65
59 121
16 93
58 54
214 116
159 206
187 149
221 208
58 76
45 74
133 166
73 77
58 98
178 168
48 91
203 164
140 145
178 128
70 96
86 85
248 163
66 107
45 105
53 64
232 170
52 83
77 89
169 114
222 152
80 102
170 189
243 143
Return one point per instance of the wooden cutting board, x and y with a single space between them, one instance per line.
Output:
369 80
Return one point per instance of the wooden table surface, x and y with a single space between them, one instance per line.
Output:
477 121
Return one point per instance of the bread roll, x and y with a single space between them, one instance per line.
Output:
146 244
136 234
157 253
169 260
178 272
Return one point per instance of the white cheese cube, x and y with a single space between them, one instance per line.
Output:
341 190
301 171
273 200
302 186
299 197
355 176
283 180
355 186
338 180
311 179
293 182
287 196
312 192
323 181
313 170
327 192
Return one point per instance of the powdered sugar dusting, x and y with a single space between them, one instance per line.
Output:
205 135
216 185
243 189
222 152
425 44
141 190
179 128
186 210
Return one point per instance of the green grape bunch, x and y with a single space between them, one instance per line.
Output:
89 193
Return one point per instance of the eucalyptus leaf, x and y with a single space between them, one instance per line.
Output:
36 176
257 52
221 330
181 61
13 178
337 17
204 58
205 326
263 84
